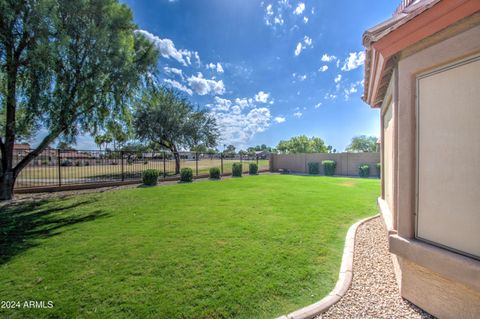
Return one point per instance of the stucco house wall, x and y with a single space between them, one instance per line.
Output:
431 207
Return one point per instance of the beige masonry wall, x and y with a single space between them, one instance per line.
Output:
347 163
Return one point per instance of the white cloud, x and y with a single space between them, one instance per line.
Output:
298 49
300 77
216 67
222 104
167 49
278 20
328 58
279 119
307 42
305 20
175 71
177 85
203 86
244 102
323 68
318 105
352 89
330 96
262 97
269 10
299 9
354 60
238 128
271 18
298 114
338 78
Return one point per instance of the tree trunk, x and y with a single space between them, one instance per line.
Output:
7 180
177 160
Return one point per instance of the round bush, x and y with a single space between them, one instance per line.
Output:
329 167
237 169
214 173
253 169
364 170
313 168
150 177
186 175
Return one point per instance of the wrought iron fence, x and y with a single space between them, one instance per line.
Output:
55 167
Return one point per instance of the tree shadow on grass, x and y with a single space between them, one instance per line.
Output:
21 224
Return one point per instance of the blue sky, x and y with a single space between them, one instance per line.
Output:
268 70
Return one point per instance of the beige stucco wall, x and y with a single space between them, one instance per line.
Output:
442 282
347 163
448 113
388 130
442 298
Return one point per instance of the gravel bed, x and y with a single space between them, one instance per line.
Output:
374 291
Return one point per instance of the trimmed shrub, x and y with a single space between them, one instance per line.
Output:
150 177
329 167
253 169
237 169
314 168
214 173
379 169
186 175
364 170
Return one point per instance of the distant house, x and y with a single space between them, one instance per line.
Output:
422 70
21 149
261 154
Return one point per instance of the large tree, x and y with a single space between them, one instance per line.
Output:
66 67
302 144
363 143
166 118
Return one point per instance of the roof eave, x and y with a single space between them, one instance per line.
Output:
390 37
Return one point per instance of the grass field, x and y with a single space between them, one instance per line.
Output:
91 171
43 175
252 247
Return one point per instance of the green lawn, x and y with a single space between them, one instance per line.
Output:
252 247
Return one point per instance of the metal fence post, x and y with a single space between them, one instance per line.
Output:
59 168
164 166
196 164
221 162
123 168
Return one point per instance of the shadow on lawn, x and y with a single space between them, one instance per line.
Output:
22 224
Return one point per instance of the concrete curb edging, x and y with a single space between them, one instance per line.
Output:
343 283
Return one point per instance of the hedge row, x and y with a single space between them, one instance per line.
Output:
329 167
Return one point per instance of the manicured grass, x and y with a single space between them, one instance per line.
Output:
251 247
92 171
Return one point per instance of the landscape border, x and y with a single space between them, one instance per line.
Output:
344 281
